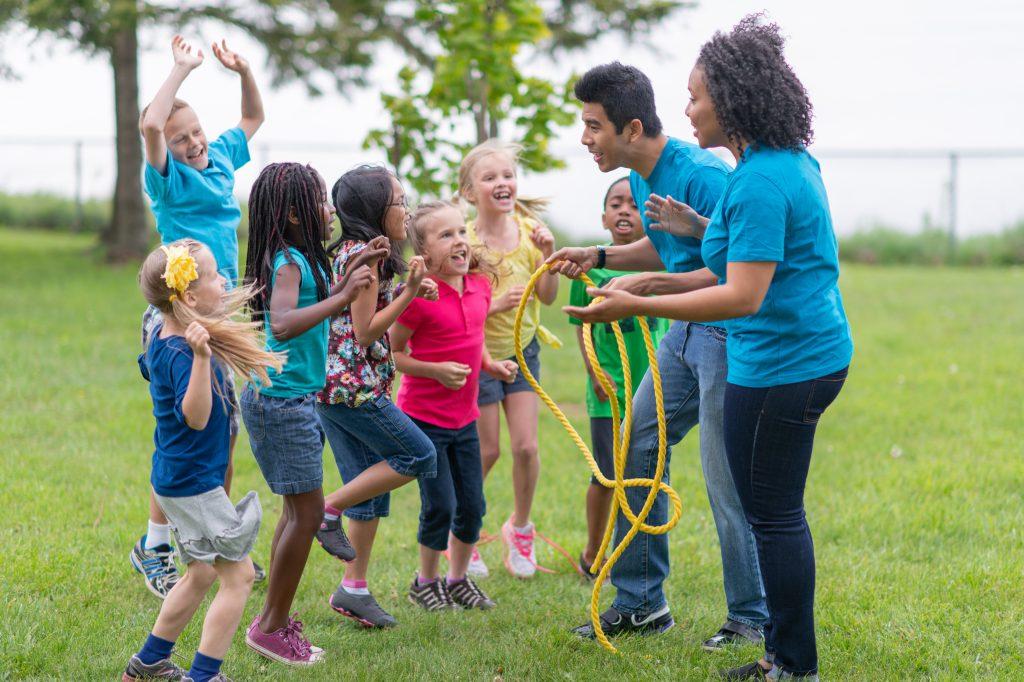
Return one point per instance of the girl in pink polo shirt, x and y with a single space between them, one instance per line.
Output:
439 347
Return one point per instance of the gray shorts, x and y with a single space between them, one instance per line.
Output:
208 527
150 319
494 391
602 446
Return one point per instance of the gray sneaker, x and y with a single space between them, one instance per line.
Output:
362 608
466 594
161 670
432 596
156 566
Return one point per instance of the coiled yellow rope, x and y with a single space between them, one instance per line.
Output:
620 445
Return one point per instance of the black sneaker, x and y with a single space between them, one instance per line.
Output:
466 594
614 623
362 608
156 566
259 575
161 670
332 538
432 596
731 633
751 671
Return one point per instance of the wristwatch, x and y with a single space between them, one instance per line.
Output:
601 255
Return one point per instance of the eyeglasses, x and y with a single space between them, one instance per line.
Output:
404 203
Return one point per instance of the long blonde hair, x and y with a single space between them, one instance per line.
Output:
234 340
479 261
529 207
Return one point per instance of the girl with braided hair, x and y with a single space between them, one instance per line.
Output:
290 219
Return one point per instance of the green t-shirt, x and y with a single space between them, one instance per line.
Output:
606 349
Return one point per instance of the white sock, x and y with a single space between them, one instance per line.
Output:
355 590
525 530
158 534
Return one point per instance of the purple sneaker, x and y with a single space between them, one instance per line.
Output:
286 645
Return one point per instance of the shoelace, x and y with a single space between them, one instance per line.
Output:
293 637
518 540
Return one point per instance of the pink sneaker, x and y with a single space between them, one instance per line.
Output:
286 645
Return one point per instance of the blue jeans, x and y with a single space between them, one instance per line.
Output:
375 431
769 438
453 501
693 377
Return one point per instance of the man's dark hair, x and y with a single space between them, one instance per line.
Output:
624 92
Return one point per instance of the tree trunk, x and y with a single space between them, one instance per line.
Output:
127 237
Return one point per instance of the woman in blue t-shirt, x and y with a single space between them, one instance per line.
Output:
771 244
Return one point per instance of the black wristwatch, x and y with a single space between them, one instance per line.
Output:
601 256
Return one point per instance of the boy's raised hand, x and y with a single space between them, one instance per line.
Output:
231 60
183 53
198 340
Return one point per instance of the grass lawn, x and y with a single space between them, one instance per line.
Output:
914 501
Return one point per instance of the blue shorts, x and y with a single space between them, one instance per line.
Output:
287 440
376 431
494 391
602 446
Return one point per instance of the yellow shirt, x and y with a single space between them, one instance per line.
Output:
515 268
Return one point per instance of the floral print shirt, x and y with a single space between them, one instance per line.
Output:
356 374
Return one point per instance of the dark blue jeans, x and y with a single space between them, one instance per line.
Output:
454 499
769 435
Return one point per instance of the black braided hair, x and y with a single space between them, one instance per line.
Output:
280 188
757 97
362 197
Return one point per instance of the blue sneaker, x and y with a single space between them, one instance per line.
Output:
156 566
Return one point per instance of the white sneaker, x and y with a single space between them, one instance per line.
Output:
477 568
520 559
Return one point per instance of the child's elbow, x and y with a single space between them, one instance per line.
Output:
280 332
152 126
198 423
364 339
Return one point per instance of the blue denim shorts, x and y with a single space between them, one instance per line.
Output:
376 431
287 440
494 391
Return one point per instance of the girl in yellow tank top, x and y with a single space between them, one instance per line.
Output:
508 232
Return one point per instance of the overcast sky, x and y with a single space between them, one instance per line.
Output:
881 74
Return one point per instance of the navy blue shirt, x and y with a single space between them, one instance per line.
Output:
689 174
775 210
186 462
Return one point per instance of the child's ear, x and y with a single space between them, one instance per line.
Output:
634 130
293 217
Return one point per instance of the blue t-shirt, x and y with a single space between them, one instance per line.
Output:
305 370
775 209
201 204
689 174
186 462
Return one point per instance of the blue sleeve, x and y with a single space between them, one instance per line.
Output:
159 185
180 373
703 189
756 213
235 145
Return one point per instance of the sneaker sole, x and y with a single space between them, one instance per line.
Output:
738 642
149 585
266 653
361 621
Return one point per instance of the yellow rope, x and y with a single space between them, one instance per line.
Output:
620 445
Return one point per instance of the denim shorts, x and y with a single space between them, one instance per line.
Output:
376 431
150 319
287 440
602 446
494 391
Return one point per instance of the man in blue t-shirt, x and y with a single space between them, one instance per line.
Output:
191 183
621 129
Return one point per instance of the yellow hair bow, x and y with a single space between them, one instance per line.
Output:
181 269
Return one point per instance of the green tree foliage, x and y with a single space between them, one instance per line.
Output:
467 80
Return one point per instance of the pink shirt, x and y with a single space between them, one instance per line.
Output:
450 329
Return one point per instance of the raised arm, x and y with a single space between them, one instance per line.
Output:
252 102
198 399
368 323
288 321
159 110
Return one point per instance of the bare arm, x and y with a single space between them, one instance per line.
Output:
741 295
451 375
368 323
252 103
662 283
198 400
160 108
640 255
288 321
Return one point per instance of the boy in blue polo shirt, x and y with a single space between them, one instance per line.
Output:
191 183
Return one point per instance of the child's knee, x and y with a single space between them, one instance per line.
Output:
527 451
199 576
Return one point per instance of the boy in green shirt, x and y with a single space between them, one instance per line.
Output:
622 219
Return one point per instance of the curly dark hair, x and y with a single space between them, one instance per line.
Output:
757 97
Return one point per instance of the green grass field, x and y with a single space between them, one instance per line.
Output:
914 500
